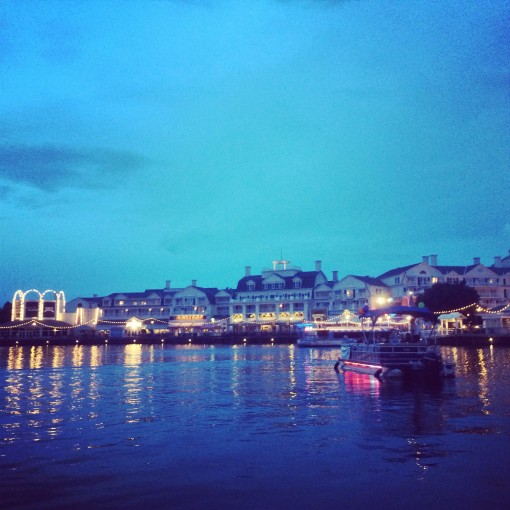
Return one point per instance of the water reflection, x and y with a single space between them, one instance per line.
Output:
58 356
211 406
361 384
36 357
133 383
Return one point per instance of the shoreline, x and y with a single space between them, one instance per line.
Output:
452 340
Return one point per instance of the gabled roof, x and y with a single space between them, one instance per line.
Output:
500 270
227 291
307 278
442 269
455 269
133 295
369 280
95 300
210 292
396 271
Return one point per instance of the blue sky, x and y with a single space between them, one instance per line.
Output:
175 140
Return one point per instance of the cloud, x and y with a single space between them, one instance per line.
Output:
51 168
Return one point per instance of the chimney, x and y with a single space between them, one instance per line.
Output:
476 260
433 260
426 259
247 271
318 265
193 283
497 262
335 276
167 284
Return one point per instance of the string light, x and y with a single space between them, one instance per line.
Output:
479 308
493 312
266 318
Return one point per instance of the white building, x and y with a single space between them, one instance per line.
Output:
492 283
273 301
279 298
354 292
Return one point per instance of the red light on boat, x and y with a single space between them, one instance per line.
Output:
364 365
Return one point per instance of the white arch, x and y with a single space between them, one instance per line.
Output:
18 312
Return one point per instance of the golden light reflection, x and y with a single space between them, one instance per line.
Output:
292 372
56 393
78 355
133 354
15 358
95 356
36 357
14 393
58 357
483 382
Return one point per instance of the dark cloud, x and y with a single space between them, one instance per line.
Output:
51 168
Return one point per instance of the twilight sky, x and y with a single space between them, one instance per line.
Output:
144 141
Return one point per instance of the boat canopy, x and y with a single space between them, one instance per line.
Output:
418 312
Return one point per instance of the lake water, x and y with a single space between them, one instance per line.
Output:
247 427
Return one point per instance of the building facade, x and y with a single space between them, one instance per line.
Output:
272 302
279 298
354 292
492 283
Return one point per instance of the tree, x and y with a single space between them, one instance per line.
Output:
5 312
452 296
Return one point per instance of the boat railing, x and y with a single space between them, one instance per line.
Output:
390 354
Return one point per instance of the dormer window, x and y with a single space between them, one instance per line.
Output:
297 284
250 285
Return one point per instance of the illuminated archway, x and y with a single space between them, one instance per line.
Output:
39 308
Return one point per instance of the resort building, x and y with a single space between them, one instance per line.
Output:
279 298
354 292
272 302
492 283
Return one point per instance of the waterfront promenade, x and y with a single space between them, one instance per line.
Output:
474 340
